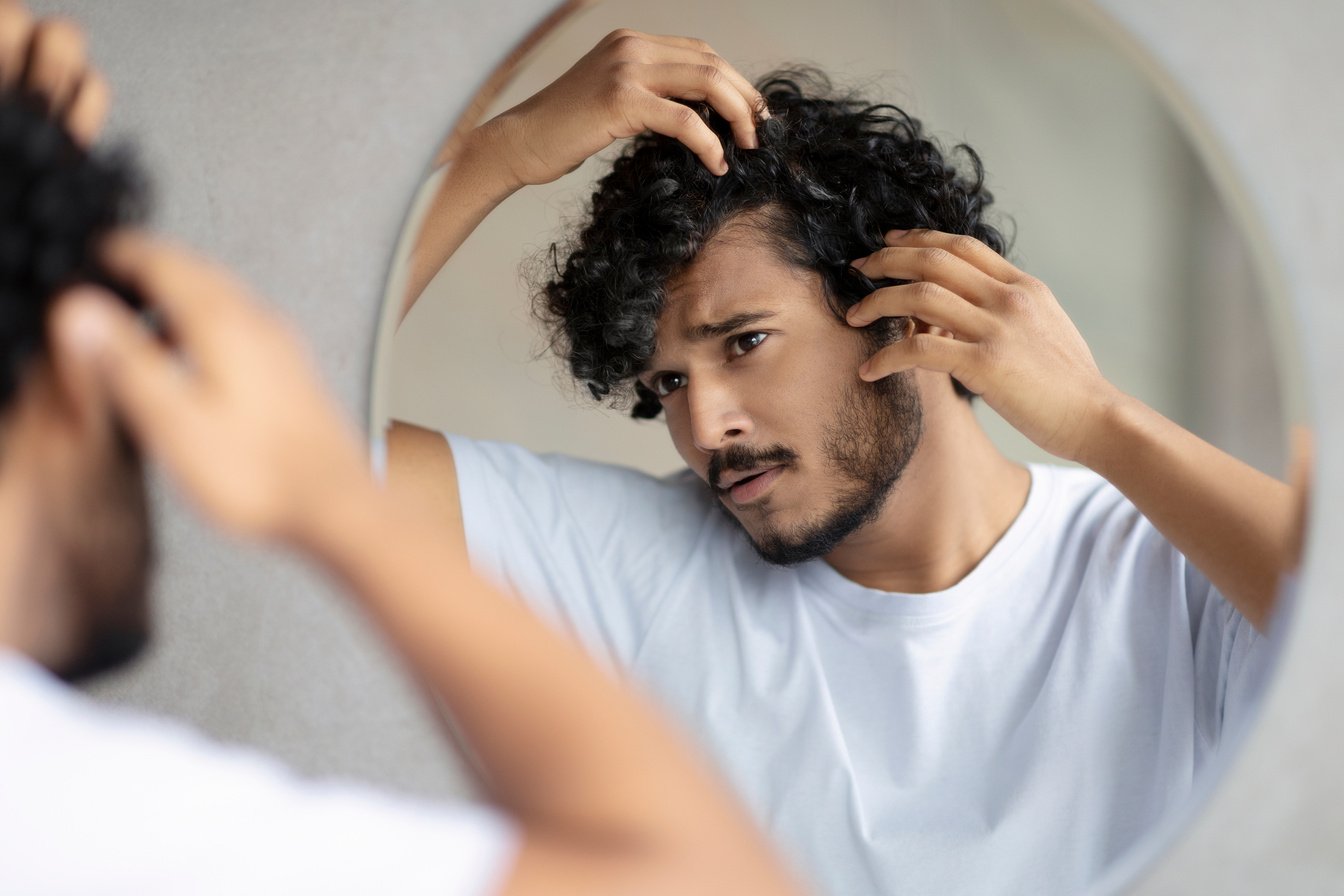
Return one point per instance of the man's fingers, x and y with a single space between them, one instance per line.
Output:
16 27
56 62
682 123
937 265
967 248
701 74
192 294
923 350
150 389
705 82
697 51
929 302
88 110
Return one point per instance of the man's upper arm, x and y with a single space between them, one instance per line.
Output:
422 472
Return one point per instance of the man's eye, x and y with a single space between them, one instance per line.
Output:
740 345
664 384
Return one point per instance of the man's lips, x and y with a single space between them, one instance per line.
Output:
731 478
745 486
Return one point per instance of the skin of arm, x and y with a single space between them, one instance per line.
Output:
1003 334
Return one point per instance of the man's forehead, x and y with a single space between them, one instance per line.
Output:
738 274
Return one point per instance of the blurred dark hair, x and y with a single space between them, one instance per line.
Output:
832 175
56 201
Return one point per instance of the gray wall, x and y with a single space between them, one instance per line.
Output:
288 139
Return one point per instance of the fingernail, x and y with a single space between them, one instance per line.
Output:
897 234
864 371
723 168
859 262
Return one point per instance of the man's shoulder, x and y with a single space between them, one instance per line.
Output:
156 798
1079 498
588 481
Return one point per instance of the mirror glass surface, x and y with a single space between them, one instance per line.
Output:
1103 196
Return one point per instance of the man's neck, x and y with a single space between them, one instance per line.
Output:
955 500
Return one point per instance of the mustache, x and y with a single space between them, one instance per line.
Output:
741 458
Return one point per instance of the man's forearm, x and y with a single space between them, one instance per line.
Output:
474 184
1226 517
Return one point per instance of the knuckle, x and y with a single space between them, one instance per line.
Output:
684 118
925 293
963 244
934 256
619 34
1030 284
710 75
626 44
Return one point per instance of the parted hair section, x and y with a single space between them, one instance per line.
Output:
56 201
834 172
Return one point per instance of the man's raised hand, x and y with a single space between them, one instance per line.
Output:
998 331
48 59
626 85
232 406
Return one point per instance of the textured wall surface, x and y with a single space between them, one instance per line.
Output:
287 139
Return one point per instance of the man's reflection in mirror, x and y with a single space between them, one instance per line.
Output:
928 668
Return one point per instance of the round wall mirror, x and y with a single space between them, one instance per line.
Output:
880 759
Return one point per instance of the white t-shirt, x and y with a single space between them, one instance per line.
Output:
1015 733
94 800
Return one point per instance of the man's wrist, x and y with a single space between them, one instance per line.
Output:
1115 419
484 160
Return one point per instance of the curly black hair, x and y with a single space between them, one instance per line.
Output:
832 175
56 201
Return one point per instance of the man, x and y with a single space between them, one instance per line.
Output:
94 800
926 667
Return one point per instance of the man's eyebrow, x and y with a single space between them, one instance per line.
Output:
727 326
713 330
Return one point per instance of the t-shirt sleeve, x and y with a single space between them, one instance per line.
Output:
1232 658
100 801
587 545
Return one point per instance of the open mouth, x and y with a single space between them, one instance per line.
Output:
749 488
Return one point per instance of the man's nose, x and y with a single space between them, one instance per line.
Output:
717 415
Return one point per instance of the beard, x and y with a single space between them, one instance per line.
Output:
876 429
104 559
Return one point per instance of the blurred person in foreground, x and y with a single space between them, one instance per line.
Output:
593 793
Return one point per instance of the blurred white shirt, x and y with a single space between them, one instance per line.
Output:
97 800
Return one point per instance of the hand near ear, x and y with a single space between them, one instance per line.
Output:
997 330
232 407
47 59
